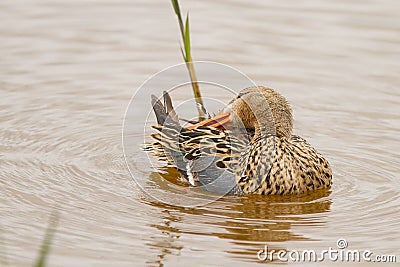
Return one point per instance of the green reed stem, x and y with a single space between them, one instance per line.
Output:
186 53
45 247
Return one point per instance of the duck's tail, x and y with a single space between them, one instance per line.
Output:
164 111
166 145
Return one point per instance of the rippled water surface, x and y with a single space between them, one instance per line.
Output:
69 68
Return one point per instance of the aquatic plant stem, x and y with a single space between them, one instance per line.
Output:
45 247
186 53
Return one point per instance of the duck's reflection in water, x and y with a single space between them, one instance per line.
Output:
248 222
165 243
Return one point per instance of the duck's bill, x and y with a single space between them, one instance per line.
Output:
219 121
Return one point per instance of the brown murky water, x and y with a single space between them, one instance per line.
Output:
69 68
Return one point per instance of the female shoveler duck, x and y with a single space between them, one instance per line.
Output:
247 149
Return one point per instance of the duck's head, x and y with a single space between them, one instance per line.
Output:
251 106
257 109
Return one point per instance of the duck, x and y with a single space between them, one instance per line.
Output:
248 148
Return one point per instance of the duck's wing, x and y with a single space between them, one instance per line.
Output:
204 155
168 125
214 157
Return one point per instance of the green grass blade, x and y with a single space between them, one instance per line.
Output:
175 4
186 53
183 54
187 40
177 10
3 252
45 247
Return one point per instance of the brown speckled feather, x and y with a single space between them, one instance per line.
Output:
259 162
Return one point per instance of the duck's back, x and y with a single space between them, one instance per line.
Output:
280 166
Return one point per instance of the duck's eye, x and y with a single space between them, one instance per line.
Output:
241 94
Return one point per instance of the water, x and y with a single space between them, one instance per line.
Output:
69 68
